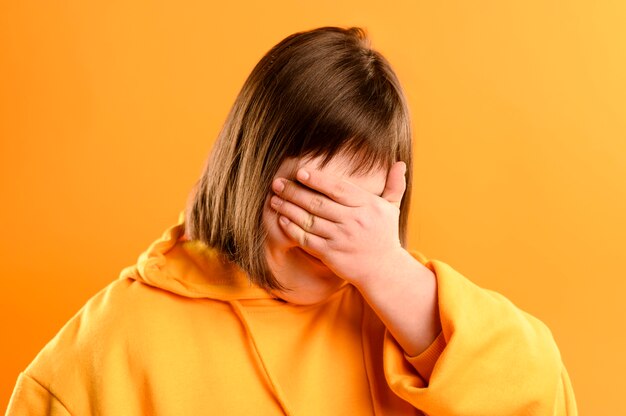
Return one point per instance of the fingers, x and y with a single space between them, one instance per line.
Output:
307 221
339 190
395 186
308 241
310 201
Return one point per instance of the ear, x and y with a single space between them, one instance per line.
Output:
396 184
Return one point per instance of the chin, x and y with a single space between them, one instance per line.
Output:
310 280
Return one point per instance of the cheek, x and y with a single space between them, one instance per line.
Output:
275 235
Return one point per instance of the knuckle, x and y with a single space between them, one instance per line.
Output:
309 222
339 189
316 204
304 239
363 220
331 246
343 228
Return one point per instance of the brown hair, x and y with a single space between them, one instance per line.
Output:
316 93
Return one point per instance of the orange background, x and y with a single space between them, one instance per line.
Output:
109 108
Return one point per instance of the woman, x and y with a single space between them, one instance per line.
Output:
285 287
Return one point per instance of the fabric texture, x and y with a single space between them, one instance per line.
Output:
184 332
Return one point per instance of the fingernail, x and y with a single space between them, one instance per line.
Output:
275 201
283 220
279 185
303 175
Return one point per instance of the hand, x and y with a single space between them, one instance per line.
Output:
354 232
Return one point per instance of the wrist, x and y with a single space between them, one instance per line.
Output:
388 267
404 294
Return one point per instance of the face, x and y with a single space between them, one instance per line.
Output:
310 280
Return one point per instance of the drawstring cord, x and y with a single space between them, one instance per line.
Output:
278 395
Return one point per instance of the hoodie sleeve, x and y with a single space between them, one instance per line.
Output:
32 399
491 358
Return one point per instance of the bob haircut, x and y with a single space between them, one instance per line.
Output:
315 94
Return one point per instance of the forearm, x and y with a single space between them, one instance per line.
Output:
403 293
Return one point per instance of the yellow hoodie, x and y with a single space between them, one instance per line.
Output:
182 332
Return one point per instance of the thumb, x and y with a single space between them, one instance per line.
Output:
396 184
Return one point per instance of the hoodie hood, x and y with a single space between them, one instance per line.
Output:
192 269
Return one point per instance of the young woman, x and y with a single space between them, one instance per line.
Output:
285 288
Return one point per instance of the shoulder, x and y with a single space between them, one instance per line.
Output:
99 318
101 331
